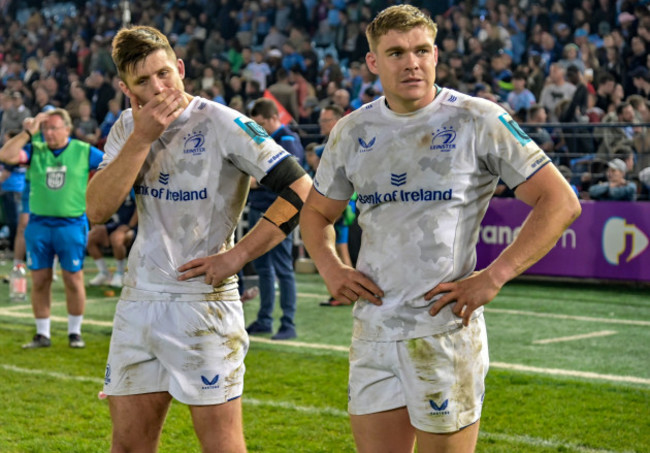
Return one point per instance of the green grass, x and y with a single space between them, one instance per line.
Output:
295 396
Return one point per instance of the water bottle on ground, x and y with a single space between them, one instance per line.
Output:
18 283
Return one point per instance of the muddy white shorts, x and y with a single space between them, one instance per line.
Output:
193 350
440 379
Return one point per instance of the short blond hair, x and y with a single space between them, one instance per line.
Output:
132 45
63 114
401 18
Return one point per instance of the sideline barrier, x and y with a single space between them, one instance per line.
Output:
610 240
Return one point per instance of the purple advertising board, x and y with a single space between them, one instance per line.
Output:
610 240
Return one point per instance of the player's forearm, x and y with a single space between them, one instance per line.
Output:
10 152
319 237
541 230
110 186
279 220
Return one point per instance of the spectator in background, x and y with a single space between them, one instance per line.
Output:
86 127
617 188
285 93
14 112
277 262
571 57
557 90
604 90
259 69
642 139
641 82
329 115
579 140
537 115
342 99
99 92
331 72
77 97
618 135
520 98
535 81
304 89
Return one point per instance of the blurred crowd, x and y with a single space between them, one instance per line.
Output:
548 62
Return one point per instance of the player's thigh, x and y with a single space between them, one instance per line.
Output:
138 420
39 245
388 431
219 427
463 441
69 243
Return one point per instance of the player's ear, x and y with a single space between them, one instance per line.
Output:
125 89
181 68
371 62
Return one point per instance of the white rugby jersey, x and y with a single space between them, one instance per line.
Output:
190 193
424 181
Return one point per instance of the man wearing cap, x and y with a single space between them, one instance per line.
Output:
616 188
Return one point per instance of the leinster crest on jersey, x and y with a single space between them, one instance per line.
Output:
55 177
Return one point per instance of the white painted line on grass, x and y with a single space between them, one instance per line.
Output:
536 442
584 336
572 373
91 322
575 318
333 412
300 344
52 374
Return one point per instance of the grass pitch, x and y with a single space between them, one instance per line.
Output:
570 372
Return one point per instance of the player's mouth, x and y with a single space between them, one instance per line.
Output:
411 81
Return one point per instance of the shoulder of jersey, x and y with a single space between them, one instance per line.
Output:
460 100
366 109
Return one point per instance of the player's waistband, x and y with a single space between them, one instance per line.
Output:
226 293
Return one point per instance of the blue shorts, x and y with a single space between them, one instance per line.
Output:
67 242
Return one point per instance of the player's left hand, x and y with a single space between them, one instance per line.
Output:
216 268
468 294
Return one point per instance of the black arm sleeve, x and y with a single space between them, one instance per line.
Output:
283 175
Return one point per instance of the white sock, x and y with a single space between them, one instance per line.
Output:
101 265
74 324
43 326
17 261
121 265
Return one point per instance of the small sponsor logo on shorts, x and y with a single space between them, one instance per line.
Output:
210 383
439 410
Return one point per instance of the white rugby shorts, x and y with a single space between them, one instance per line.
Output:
193 350
440 379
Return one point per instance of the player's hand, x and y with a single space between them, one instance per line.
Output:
33 124
216 268
468 294
152 119
347 284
